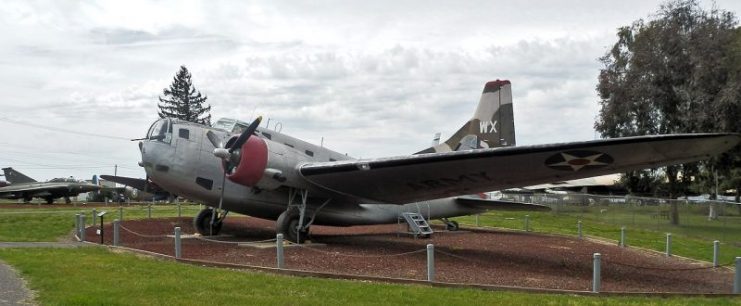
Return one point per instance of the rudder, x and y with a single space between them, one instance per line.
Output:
492 125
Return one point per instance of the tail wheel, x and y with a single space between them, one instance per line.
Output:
288 225
202 223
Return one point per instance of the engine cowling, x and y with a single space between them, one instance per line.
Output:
253 160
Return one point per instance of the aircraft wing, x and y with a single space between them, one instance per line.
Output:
422 177
501 205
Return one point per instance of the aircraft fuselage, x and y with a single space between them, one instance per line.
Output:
182 162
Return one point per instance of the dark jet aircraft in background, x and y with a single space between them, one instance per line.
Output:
26 188
266 174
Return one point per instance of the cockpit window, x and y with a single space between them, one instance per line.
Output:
161 130
239 128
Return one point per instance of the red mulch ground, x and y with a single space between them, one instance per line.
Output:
484 257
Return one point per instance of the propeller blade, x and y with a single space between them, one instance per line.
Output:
213 139
245 135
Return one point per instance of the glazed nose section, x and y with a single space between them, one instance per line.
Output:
145 149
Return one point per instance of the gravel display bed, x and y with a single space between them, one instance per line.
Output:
469 256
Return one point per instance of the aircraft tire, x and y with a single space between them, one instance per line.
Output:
49 200
287 225
202 223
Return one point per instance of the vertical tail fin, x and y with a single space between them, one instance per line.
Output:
15 177
492 125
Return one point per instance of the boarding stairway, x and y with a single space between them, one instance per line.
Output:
418 226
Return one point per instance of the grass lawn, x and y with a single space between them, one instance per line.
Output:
96 276
51 223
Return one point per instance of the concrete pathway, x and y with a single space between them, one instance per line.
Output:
13 290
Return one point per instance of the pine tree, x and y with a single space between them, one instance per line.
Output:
182 101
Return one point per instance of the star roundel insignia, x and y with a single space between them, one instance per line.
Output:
578 160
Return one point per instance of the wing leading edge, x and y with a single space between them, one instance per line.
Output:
422 177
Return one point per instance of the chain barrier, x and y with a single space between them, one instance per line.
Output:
354 256
667 269
233 242
474 261
141 235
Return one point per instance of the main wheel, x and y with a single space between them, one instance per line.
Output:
287 224
49 200
202 223
452 226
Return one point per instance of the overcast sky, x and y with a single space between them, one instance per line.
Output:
374 78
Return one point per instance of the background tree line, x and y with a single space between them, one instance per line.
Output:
679 72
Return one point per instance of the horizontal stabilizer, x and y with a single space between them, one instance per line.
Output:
500 205
128 181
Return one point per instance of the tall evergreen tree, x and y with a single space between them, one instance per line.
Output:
182 101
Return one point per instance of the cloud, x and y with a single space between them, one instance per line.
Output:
373 78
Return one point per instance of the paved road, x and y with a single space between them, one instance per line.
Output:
13 290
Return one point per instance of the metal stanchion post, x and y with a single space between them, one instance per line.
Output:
622 236
430 263
578 229
116 232
95 213
120 213
179 211
527 223
596 281
149 211
177 243
82 227
668 244
716 253
737 279
477 220
77 225
279 250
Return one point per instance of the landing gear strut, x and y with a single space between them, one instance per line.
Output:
292 222
202 222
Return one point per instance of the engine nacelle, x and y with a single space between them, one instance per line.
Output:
266 164
253 160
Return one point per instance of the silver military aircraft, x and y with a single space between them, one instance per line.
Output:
26 188
263 173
